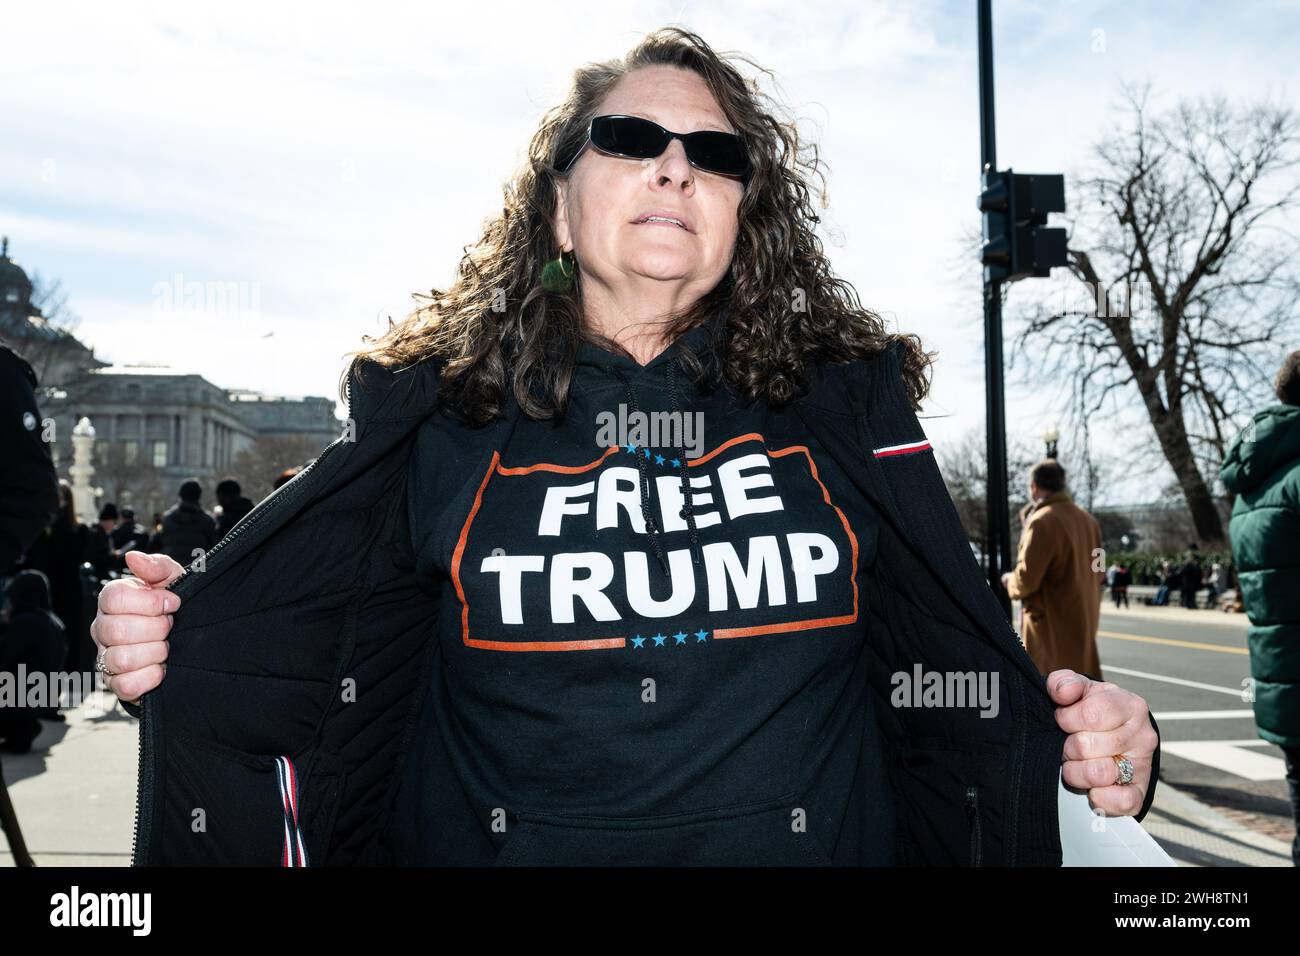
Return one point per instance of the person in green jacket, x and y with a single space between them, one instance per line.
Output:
1262 468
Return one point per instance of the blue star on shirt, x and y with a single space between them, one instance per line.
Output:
700 636
659 459
638 641
659 640
675 463
647 453
680 637
631 449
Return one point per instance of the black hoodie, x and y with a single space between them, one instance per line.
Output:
631 674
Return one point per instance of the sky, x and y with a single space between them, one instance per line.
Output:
308 167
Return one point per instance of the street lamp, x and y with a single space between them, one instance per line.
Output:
1050 437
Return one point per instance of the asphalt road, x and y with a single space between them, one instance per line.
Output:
1193 669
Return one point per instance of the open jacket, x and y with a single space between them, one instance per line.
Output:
299 658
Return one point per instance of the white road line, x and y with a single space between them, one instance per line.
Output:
1234 691
1230 757
1162 716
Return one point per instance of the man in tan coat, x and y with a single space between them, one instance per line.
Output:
1058 576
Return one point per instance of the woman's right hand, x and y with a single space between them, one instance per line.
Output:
132 624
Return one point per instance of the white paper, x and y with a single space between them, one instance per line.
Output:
1089 838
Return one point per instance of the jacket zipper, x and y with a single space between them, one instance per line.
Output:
973 818
145 760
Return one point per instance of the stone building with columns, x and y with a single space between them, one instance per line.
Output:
155 426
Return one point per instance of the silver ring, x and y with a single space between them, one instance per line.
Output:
101 663
1125 768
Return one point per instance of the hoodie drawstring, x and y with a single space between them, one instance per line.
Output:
647 514
688 507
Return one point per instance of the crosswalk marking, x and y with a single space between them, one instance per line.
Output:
1230 756
1234 691
1242 757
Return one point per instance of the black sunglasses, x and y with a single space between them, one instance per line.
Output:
635 137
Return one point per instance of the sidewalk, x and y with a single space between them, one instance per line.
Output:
1169 614
74 793
76 802
1195 834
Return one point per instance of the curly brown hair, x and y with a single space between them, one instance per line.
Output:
1286 386
496 327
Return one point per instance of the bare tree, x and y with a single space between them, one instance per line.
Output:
964 466
131 482
48 355
49 297
1189 283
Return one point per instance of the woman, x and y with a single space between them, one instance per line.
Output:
614 562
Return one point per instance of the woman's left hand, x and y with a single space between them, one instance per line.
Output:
1103 719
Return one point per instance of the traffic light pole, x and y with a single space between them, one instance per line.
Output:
997 550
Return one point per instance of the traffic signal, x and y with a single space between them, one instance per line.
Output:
1017 241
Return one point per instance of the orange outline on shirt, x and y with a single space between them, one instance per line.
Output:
495 467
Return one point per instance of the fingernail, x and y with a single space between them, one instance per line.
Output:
171 602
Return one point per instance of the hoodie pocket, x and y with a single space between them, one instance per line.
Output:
756 834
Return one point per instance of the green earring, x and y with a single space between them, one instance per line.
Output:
555 277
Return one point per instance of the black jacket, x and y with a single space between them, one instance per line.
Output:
29 486
299 660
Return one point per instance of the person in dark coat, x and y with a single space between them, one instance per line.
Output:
129 535
233 506
1190 576
100 551
29 500
1123 578
33 640
186 527
29 485
58 552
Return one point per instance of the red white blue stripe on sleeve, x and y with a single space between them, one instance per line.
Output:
910 448
294 852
